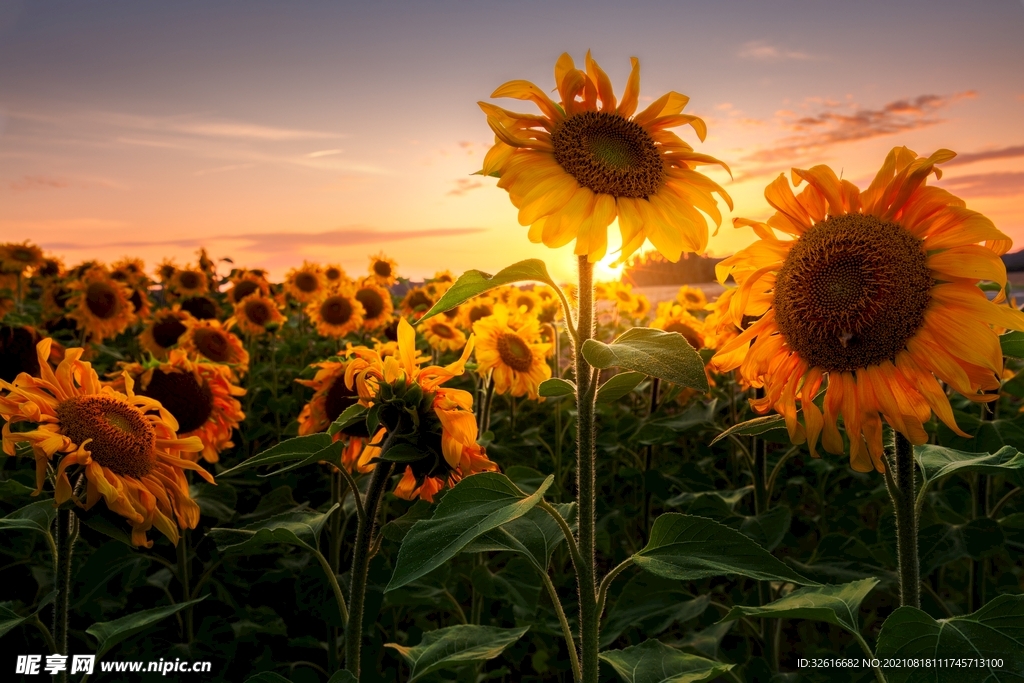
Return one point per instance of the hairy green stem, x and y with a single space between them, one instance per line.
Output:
67 534
361 564
900 483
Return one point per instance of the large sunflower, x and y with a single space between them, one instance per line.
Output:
126 445
257 314
199 395
877 290
336 312
575 168
377 304
164 330
511 352
210 340
101 306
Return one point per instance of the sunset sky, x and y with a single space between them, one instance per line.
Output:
274 132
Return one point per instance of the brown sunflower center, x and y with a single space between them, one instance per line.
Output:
524 301
608 154
514 352
306 282
418 299
479 311
201 307
257 311
101 299
243 289
188 399
332 274
50 268
167 331
372 302
17 352
167 272
382 268
123 441
213 344
136 299
336 310
338 398
442 330
689 334
852 292
190 279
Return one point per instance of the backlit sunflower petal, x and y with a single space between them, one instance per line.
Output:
667 105
631 94
604 84
524 90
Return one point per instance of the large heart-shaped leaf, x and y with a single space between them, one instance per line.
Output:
474 282
110 633
665 355
652 604
455 645
937 462
687 548
476 505
534 535
837 605
655 662
994 632
297 448
297 527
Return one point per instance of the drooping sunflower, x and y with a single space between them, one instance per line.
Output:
672 317
305 283
446 427
692 298
245 283
200 396
187 283
417 301
101 306
442 334
17 258
257 314
877 291
383 270
210 340
336 312
377 304
164 330
512 354
575 168
125 444
330 399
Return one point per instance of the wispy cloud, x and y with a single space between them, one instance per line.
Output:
997 184
762 51
1002 153
324 153
223 169
464 185
29 183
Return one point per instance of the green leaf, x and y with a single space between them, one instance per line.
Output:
618 386
110 633
837 605
687 548
476 505
651 604
297 527
555 387
535 535
396 529
474 282
996 631
455 645
298 448
516 584
655 662
1012 344
37 516
107 522
937 462
985 436
350 417
10 620
768 528
665 355
215 501
755 427
943 543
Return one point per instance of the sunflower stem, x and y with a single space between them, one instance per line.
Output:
186 590
648 457
361 563
901 489
586 481
557 373
67 534
485 419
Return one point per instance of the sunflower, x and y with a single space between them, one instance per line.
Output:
417 301
18 351
334 274
444 276
306 283
643 307
442 334
477 308
383 270
330 399
126 445
164 330
523 300
17 258
165 270
623 297
511 353
875 290
210 340
101 306
54 298
257 314
336 313
131 271
575 168
245 283
446 426
377 304
201 307
692 298
199 395
49 269
187 283
672 317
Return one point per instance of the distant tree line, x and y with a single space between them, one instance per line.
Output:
652 269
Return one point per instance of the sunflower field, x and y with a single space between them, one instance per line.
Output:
813 475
